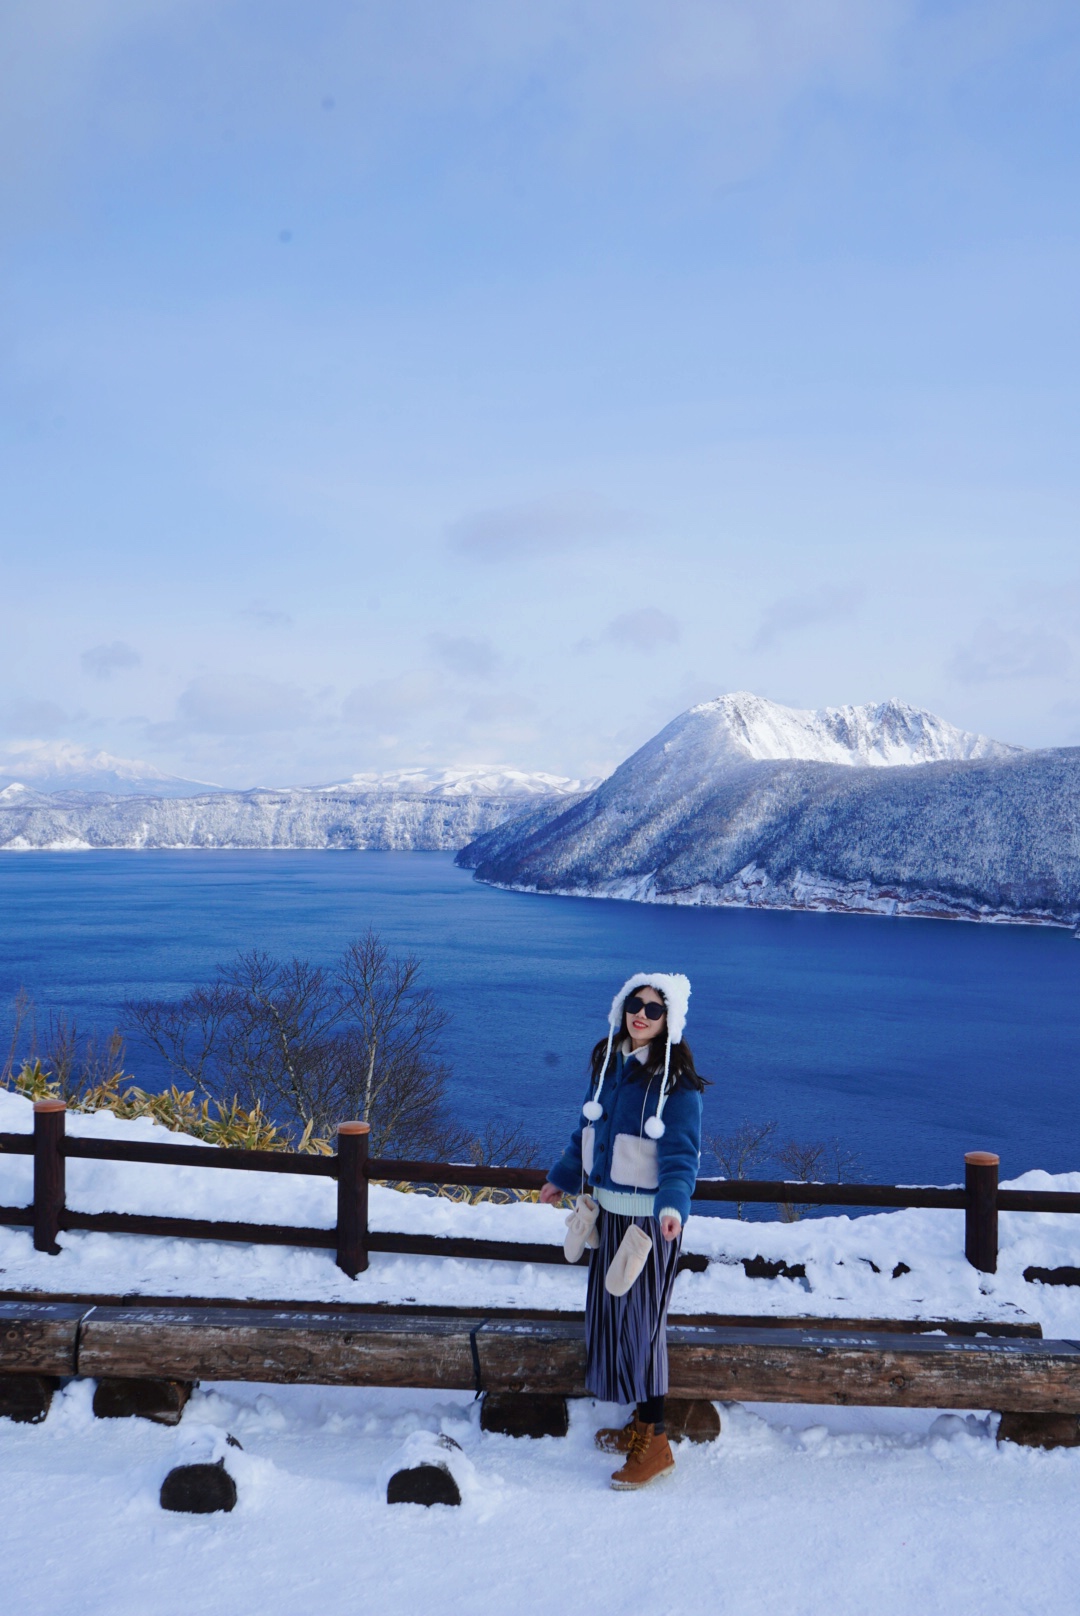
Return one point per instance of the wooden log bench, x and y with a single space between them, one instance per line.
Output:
789 1362
1021 1325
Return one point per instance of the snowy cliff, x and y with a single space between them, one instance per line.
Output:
415 810
880 808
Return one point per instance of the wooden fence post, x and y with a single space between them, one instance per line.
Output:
981 1212
352 1197
49 1190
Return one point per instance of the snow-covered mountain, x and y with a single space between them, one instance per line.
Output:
471 780
52 766
47 766
877 735
884 808
58 795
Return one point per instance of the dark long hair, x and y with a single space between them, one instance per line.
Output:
682 1071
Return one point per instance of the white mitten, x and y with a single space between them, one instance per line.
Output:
581 1228
628 1261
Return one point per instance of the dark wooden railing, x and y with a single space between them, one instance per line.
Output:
980 1198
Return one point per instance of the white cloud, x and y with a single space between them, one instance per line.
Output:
537 529
791 613
465 656
647 628
386 702
603 71
265 616
241 704
498 710
418 715
998 652
102 661
26 718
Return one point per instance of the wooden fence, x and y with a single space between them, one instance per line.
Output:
352 1239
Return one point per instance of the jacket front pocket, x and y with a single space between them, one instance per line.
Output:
634 1161
588 1149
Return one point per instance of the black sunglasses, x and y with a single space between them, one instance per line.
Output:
634 1004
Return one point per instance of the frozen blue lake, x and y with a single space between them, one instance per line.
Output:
910 1040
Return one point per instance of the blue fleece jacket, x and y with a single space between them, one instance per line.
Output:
629 1097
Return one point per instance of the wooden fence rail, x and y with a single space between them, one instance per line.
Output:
352 1238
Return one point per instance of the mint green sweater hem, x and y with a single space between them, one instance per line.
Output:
628 1205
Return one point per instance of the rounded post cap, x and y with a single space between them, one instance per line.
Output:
354 1127
46 1107
982 1158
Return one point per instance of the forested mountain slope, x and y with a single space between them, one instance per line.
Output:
707 812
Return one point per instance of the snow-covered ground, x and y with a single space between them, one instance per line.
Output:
802 1511
793 1509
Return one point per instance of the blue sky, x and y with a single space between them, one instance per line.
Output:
466 380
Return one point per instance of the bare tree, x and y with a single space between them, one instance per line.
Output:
312 1045
752 1144
22 1012
186 1032
279 1041
78 1063
502 1145
739 1152
845 1164
59 1057
807 1162
396 1024
409 1116
499 1145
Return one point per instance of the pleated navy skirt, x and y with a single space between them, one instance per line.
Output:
626 1336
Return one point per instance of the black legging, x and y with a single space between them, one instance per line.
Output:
651 1412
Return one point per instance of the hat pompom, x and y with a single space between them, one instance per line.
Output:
654 1128
592 1110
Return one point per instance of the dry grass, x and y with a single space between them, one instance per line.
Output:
232 1127
175 1109
465 1194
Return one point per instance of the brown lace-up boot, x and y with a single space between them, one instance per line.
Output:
617 1438
648 1458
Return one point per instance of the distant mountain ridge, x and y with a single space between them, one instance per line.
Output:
423 809
472 780
879 808
49 766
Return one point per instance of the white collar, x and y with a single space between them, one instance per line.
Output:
628 1052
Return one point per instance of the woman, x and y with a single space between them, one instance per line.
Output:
639 1146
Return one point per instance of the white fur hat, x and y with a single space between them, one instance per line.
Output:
675 990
